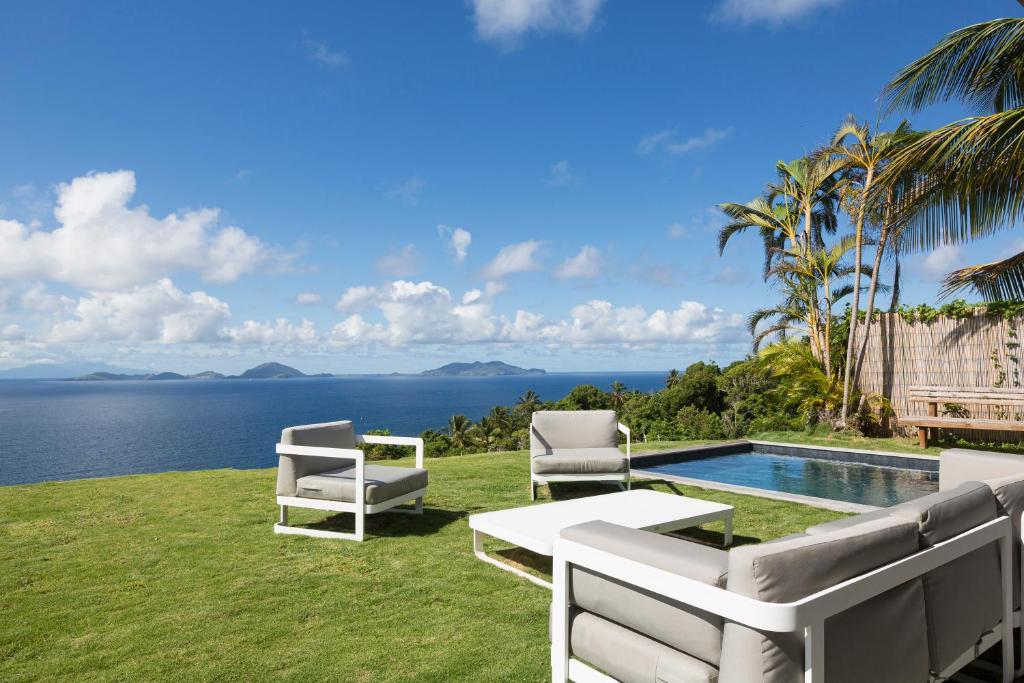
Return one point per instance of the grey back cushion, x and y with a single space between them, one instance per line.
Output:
959 465
573 429
1009 492
963 597
329 434
880 640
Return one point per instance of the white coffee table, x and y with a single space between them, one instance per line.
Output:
535 527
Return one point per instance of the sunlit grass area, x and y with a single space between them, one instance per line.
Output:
179 575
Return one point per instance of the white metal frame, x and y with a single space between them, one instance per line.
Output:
805 616
618 477
359 508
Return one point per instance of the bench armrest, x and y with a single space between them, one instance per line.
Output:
395 441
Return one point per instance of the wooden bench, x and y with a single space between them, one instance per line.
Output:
1011 400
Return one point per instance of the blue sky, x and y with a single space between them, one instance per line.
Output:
367 187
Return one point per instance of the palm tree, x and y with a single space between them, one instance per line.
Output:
866 156
501 418
529 402
485 433
673 377
458 426
969 172
618 395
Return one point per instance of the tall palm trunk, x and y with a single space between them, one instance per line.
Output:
883 240
855 318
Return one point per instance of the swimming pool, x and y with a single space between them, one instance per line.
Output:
860 477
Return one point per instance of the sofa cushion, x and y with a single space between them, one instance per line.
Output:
553 429
1009 492
880 640
684 628
381 483
964 596
958 465
606 460
329 435
631 657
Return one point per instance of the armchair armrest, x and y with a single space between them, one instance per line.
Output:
625 430
395 441
324 452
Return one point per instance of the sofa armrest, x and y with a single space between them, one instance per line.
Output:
681 557
395 441
290 466
625 430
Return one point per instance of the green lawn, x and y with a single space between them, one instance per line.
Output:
179 576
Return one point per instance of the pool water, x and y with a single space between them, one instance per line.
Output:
833 479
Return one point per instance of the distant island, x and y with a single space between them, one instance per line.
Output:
262 371
494 368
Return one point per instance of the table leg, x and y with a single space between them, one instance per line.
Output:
478 550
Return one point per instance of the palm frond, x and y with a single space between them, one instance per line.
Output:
981 65
994 281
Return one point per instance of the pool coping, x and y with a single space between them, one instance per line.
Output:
665 456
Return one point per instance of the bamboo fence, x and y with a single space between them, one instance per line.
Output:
975 352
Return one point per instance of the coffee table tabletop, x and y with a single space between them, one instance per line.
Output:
535 527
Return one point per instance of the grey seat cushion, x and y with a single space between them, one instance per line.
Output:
631 657
1009 492
964 596
847 522
684 628
608 460
879 640
551 429
329 435
381 483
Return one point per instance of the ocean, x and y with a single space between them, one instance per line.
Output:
58 430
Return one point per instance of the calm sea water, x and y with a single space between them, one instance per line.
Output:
69 430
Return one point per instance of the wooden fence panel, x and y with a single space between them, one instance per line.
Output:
979 352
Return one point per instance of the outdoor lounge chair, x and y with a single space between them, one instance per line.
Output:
909 593
320 468
577 445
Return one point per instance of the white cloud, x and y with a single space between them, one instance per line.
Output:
676 231
102 243
157 312
513 258
357 298
308 299
668 141
768 11
36 298
407 192
280 332
561 175
457 240
319 51
585 265
651 142
730 276
505 21
937 264
425 313
401 263
12 332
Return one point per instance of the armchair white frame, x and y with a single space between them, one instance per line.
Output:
359 508
805 616
621 477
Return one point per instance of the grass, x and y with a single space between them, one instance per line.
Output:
179 576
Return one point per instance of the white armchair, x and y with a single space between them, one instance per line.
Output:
577 445
320 468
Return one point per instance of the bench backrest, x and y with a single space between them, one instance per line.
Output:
967 395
